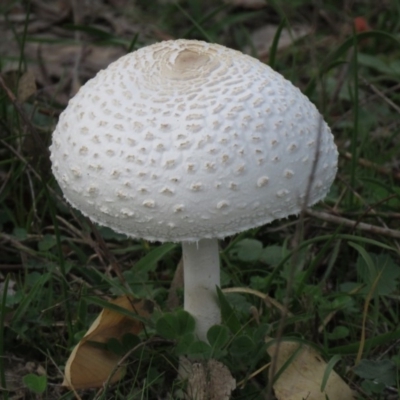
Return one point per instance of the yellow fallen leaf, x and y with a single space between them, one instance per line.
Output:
90 366
303 375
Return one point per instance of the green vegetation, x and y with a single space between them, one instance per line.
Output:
332 274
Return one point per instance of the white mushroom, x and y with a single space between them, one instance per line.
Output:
189 141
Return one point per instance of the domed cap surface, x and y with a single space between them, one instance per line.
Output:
185 140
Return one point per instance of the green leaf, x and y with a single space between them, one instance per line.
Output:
332 362
184 343
120 310
365 255
381 267
115 346
379 340
30 297
96 32
129 341
241 346
48 242
340 332
371 387
109 234
174 325
378 64
348 43
262 330
238 302
186 323
228 314
167 326
20 233
203 32
218 336
396 360
334 56
247 250
383 371
274 46
272 255
200 349
35 383
150 260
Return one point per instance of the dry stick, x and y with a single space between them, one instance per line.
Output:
382 214
72 229
86 239
389 349
381 95
18 245
33 196
369 164
365 101
91 287
261 295
242 383
33 238
12 267
370 208
355 225
106 251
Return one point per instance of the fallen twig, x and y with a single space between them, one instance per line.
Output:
369 164
354 224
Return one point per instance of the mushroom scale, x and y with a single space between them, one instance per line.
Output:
185 140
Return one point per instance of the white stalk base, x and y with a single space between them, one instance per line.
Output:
201 277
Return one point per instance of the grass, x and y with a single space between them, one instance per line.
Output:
333 274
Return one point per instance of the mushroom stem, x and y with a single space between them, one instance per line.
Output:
201 277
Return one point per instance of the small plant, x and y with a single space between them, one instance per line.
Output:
35 383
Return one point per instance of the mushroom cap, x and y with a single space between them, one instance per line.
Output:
185 140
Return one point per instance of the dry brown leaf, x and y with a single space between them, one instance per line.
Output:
206 380
302 378
90 366
26 86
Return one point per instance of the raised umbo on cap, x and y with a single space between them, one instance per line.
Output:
185 140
